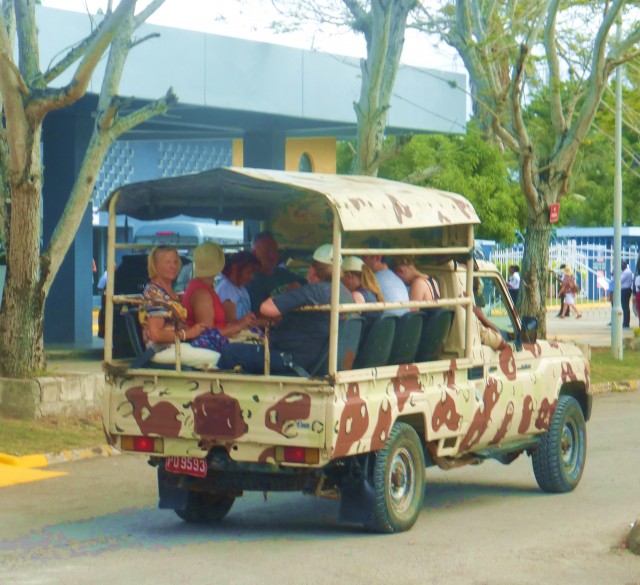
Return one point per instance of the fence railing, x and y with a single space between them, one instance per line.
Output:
591 263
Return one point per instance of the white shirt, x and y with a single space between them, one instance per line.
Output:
514 281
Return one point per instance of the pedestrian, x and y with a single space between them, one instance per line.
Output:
513 283
559 277
570 289
626 280
637 284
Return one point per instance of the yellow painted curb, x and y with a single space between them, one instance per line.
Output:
27 461
43 460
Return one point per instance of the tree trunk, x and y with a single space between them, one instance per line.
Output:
21 317
384 32
533 289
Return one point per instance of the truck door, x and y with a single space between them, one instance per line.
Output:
507 371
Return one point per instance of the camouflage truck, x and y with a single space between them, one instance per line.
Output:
383 404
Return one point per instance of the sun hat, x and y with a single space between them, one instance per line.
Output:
208 260
352 264
567 270
324 254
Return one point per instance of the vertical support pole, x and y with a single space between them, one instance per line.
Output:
468 332
111 269
616 309
335 296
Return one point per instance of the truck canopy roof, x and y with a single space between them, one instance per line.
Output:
279 198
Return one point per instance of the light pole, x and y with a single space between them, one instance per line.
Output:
616 308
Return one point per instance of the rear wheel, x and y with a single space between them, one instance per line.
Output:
398 481
559 459
203 507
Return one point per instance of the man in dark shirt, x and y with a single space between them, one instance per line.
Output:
300 336
270 279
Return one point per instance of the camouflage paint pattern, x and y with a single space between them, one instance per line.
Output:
513 395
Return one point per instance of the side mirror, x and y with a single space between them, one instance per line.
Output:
529 333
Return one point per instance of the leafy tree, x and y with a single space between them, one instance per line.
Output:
468 165
511 49
27 95
383 24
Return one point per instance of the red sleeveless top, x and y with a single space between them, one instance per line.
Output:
219 319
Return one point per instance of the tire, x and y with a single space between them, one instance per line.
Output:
203 508
398 481
558 461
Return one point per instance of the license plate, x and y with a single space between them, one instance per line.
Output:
186 465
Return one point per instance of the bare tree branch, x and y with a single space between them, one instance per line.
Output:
11 66
144 14
419 177
57 99
27 40
81 194
149 111
553 63
144 39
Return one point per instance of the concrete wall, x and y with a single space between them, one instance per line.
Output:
57 396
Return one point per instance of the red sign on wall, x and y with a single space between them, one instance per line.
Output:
554 212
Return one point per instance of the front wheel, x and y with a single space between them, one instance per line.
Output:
558 461
398 481
203 507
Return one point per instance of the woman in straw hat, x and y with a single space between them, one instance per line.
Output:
569 288
203 304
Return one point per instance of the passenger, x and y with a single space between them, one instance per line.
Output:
203 304
393 289
300 336
270 279
232 289
162 315
489 334
362 283
422 287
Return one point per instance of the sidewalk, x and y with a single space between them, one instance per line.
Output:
592 329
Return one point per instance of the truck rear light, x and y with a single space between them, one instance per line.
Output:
297 455
142 444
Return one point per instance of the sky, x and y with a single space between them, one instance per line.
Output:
250 19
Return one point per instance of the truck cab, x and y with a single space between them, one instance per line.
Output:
385 401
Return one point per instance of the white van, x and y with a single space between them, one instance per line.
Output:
188 233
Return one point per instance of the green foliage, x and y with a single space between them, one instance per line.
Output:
589 201
470 166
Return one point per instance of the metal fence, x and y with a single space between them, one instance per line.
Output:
591 263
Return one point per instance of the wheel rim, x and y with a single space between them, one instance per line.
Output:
401 480
569 446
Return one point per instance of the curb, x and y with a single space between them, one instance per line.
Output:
609 387
67 456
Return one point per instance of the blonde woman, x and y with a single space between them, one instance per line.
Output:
163 316
569 288
360 279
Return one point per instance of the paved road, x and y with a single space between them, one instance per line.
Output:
481 525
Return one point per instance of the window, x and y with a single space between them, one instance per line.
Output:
491 299
304 164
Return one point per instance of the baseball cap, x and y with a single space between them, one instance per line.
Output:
352 264
324 254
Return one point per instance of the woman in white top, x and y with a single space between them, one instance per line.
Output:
237 273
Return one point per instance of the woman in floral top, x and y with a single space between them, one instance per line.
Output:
163 315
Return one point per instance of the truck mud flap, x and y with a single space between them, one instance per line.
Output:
172 497
357 495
